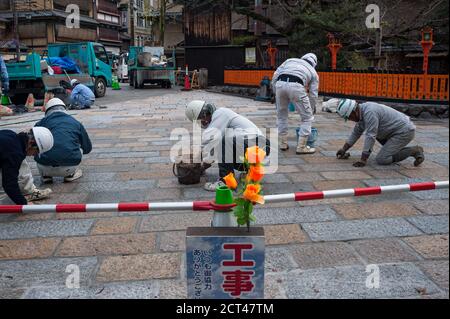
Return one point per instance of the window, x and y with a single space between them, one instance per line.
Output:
101 54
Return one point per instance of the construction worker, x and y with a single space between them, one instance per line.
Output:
394 130
224 130
289 83
71 142
82 97
4 78
16 178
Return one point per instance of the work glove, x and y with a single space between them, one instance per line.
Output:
363 161
342 153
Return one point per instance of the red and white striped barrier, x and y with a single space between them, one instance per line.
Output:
209 206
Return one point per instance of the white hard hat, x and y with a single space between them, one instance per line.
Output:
74 81
311 58
194 109
54 102
44 139
331 104
346 108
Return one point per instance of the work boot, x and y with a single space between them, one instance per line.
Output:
303 148
419 156
284 145
212 187
77 175
38 194
416 152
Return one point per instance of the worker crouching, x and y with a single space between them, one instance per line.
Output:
392 129
71 142
82 97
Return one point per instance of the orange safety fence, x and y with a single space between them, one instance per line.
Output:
417 87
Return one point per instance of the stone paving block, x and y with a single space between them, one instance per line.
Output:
383 251
48 228
115 186
132 244
360 229
438 271
431 225
288 169
137 195
195 194
159 195
140 267
396 281
144 175
375 210
28 248
286 188
324 255
172 289
385 174
333 185
305 177
284 234
294 215
138 290
433 207
433 174
168 222
279 260
147 155
44 272
432 195
172 241
276 179
10 294
66 216
119 225
273 288
430 246
30 217
349 175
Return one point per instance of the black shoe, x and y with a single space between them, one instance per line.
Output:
419 156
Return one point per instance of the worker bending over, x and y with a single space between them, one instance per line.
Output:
231 132
16 179
392 129
289 83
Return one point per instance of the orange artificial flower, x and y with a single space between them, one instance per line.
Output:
255 155
230 180
252 194
256 173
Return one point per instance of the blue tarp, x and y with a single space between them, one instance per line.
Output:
67 64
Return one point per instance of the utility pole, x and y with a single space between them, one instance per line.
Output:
132 20
12 4
162 21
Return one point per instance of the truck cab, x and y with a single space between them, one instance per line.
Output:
92 59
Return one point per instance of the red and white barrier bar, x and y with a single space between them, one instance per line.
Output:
357 192
208 206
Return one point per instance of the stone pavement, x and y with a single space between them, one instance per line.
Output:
315 249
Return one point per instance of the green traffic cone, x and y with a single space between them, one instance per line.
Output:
5 100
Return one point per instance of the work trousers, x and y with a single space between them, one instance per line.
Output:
295 93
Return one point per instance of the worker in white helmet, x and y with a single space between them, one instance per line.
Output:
290 83
71 143
81 97
16 179
392 129
224 133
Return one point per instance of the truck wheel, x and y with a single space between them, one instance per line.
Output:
100 87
